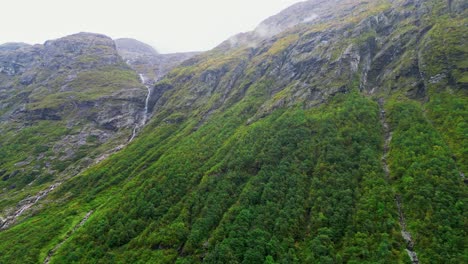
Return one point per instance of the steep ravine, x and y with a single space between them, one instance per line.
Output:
404 232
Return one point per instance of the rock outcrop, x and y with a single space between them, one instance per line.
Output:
61 105
147 61
333 133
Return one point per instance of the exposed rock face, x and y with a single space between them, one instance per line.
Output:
315 50
131 47
71 65
312 143
302 14
147 61
59 103
80 50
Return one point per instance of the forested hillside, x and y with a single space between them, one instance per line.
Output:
334 133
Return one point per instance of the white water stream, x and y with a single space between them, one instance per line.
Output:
25 205
145 112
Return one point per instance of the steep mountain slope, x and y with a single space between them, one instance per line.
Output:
62 105
147 61
341 139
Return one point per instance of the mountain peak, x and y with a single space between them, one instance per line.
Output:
144 59
333 13
338 137
81 37
129 45
11 46
81 40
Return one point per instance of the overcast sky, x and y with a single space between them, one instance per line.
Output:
168 25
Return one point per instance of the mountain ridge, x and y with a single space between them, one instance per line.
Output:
334 141
147 61
66 98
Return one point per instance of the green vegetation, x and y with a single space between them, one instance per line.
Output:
448 111
445 51
43 144
18 148
257 156
88 86
231 192
283 43
433 193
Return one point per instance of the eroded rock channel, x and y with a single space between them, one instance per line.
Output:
401 216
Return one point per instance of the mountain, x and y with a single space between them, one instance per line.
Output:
131 47
338 137
63 106
147 61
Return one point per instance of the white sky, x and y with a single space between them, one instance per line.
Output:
168 25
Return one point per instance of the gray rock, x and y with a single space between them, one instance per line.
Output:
147 61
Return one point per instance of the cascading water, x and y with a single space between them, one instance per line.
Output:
27 203
145 112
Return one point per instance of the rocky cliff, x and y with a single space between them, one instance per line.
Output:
62 105
147 61
333 133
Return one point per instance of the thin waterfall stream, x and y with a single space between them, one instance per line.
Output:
145 111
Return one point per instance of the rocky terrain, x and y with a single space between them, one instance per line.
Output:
147 61
62 105
335 132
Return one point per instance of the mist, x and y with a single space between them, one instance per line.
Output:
168 25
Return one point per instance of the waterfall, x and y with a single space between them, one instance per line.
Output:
145 112
134 132
26 204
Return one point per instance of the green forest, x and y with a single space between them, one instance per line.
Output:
289 152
